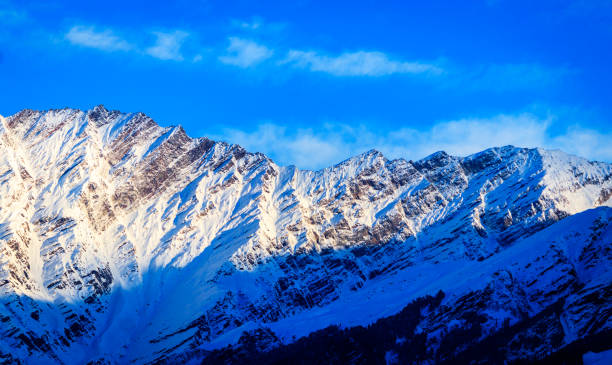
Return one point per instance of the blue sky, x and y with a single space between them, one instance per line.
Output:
312 83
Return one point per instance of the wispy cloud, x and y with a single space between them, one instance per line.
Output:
168 45
257 24
585 142
105 40
253 24
305 148
359 63
334 142
245 53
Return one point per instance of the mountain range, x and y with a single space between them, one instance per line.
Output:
122 241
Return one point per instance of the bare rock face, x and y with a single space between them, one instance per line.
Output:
122 241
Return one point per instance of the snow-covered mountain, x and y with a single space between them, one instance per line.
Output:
122 241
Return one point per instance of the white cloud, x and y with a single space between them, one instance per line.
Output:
257 24
168 45
585 142
252 25
302 147
465 136
245 53
105 40
359 63
334 142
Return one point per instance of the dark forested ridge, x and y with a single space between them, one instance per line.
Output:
397 339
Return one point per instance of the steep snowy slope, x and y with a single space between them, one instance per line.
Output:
546 293
125 241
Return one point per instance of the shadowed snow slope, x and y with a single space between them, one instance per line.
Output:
125 241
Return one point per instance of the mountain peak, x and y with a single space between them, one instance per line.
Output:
100 108
438 158
372 152
369 155
358 162
99 115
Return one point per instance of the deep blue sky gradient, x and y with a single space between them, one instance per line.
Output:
549 60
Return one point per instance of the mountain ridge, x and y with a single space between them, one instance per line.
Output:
106 214
102 110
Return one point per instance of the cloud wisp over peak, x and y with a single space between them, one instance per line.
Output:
245 53
333 142
360 63
89 36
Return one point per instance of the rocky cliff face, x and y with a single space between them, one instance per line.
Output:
124 241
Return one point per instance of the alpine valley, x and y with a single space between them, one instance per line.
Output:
125 242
